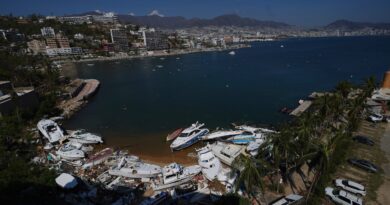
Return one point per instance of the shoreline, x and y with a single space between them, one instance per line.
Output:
159 54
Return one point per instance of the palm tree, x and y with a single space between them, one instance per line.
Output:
344 87
250 176
322 156
369 86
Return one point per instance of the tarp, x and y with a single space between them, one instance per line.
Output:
66 181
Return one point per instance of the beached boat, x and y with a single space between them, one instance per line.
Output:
98 158
246 128
70 151
221 134
254 129
174 134
135 169
83 137
189 136
185 190
210 164
253 147
226 152
50 130
242 139
174 175
175 172
157 198
227 177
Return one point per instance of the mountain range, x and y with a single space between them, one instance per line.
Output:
155 19
181 22
351 25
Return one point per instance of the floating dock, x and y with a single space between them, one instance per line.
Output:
301 108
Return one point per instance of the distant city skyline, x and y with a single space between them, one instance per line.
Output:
294 12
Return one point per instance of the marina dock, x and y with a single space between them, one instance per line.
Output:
301 108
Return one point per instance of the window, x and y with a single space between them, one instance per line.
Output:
345 199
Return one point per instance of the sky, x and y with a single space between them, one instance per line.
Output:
295 12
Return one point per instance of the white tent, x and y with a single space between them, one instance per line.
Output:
66 181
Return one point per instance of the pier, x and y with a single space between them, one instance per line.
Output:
301 108
84 91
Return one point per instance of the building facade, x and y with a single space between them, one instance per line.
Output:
156 41
120 40
47 32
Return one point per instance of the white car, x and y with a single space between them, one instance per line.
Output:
350 186
376 117
287 200
342 197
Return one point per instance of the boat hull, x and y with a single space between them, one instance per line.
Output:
174 134
190 142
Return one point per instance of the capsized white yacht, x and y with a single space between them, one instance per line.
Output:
50 130
210 164
189 136
70 151
83 137
221 133
226 152
128 167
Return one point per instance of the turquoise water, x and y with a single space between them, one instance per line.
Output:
139 101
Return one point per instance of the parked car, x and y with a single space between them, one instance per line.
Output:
288 200
363 140
364 164
350 186
375 117
342 197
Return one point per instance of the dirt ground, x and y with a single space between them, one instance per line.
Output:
384 189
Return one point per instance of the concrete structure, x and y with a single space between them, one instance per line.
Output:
119 39
47 32
36 46
301 108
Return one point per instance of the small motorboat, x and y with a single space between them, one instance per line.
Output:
50 130
83 137
174 174
242 139
174 134
98 158
135 169
70 151
232 53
